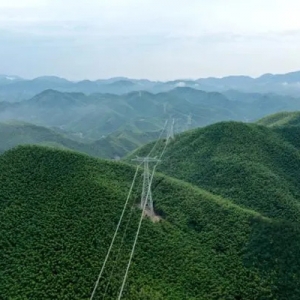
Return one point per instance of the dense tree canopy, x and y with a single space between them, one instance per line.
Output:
59 209
255 166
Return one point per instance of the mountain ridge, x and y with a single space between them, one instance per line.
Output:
281 119
15 133
240 161
286 84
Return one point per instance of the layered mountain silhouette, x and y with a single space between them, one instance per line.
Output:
13 88
93 116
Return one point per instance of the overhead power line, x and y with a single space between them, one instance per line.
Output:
136 236
146 202
146 198
115 234
159 138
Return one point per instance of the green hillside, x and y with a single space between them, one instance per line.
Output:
94 115
281 119
115 145
19 133
255 166
286 124
120 143
58 212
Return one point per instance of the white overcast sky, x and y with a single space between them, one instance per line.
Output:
155 39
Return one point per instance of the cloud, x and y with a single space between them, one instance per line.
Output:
148 38
136 18
16 4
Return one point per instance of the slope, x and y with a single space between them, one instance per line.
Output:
281 119
19 133
121 142
59 209
95 115
253 165
101 114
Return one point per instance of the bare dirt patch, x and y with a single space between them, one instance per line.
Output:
152 216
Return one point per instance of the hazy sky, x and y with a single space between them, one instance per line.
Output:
156 39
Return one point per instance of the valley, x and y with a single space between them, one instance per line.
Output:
225 194
149 150
121 123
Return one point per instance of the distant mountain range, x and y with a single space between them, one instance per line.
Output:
111 117
91 117
14 88
225 196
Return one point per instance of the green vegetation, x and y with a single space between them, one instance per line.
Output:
96 115
255 166
285 124
92 116
115 145
102 114
281 119
228 197
58 212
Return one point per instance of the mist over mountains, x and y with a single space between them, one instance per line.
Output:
14 88
97 115
131 169
120 114
226 197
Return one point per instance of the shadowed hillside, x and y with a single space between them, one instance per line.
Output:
58 212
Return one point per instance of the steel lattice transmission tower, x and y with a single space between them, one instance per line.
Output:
189 122
170 132
146 198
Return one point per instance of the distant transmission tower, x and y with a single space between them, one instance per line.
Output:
189 121
146 198
170 132
165 107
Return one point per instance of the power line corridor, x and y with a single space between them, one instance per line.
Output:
145 205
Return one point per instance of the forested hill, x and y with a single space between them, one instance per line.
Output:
95 115
17 133
115 145
59 210
281 119
255 166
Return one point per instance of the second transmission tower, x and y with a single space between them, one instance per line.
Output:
170 132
